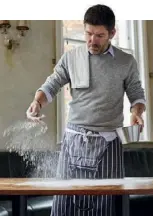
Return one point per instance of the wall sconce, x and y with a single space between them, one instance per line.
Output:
21 28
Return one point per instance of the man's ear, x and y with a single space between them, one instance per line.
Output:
112 33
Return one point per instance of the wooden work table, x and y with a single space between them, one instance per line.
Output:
22 187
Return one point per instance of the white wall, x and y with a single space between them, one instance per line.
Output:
22 72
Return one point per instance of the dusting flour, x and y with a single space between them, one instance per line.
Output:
24 136
31 141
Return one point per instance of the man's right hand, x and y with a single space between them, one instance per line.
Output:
33 112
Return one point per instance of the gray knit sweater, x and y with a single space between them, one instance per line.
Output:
99 107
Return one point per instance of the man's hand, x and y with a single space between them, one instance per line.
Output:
33 112
136 117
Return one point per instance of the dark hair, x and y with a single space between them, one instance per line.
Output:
100 15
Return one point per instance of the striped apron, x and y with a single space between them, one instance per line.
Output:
87 155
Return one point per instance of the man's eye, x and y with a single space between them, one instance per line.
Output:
89 34
101 36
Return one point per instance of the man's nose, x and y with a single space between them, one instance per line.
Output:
93 39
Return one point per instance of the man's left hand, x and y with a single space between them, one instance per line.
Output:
136 117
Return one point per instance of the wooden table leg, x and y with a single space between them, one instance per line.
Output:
125 205
19 206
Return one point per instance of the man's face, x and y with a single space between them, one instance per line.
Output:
97 38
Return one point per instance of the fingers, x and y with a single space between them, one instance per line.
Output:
33 113
132 120
140 122
35 118
135 119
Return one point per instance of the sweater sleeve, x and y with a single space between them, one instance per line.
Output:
132 83
56 80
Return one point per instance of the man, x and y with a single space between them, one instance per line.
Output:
99 74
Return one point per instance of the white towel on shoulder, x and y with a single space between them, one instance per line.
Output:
78 67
